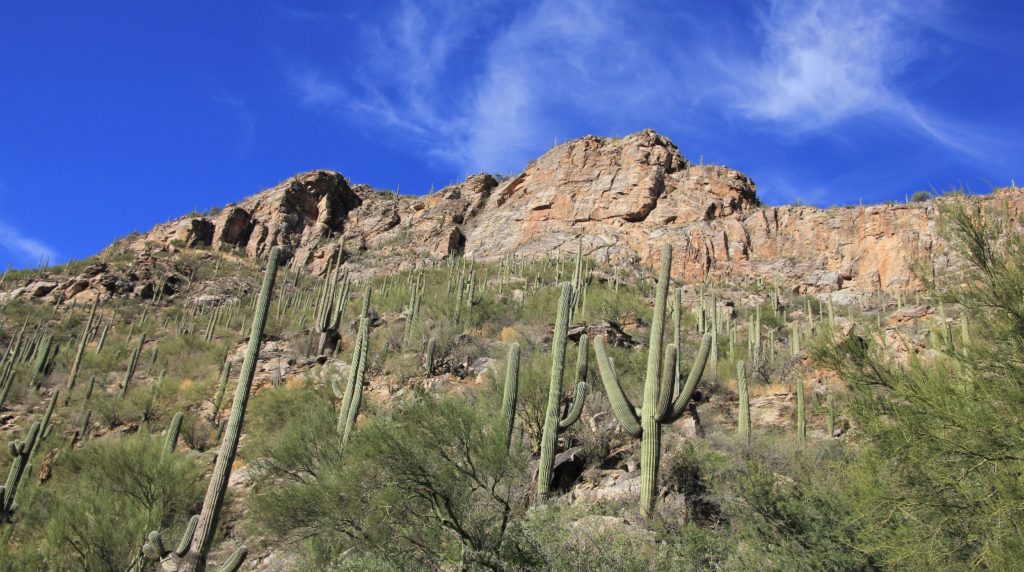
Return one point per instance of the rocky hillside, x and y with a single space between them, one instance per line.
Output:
624 197
405 374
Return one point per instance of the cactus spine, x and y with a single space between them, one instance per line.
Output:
659 405
511 392
195 559
552 422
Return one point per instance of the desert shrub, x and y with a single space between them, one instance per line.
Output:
110 493
428 485
920 197
938 485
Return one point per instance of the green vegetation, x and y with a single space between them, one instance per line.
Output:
428 427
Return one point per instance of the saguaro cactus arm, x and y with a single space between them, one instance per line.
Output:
696 372
579 396
154 549
668 383
623 410
580 393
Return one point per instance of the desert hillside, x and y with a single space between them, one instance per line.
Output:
614 360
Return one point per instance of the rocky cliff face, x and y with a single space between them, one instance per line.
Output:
624 197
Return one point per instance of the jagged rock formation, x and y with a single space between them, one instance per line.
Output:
625 197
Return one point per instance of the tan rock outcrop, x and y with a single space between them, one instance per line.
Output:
624 197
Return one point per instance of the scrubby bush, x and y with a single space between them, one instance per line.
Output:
428 484
103 498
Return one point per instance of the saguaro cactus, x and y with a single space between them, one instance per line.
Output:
132 363
22 452
352 396
172 433
801 413
743 425
428 359
195 559
553 423
81 348
660 405
511 392
218 400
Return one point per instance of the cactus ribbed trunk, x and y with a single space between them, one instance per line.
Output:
549 437
511 394
801 413
172 433
354 392
195 560
650 442
743 426
81 349
22 451
428 365
132 363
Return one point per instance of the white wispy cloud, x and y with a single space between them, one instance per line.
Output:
821 63
488 91
550 61
28 250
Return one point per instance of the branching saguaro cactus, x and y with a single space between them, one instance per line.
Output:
553 422
22 452
196 547
511 392
660 405
352 396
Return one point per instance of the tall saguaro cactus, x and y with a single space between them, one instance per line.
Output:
660 405
352 396
132 363
743 424
83 340
553 423
511 392
195 559
801 413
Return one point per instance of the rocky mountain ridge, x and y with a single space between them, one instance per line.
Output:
624 198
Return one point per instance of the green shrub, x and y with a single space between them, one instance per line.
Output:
109 493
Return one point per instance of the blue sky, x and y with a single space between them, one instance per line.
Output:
117 115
